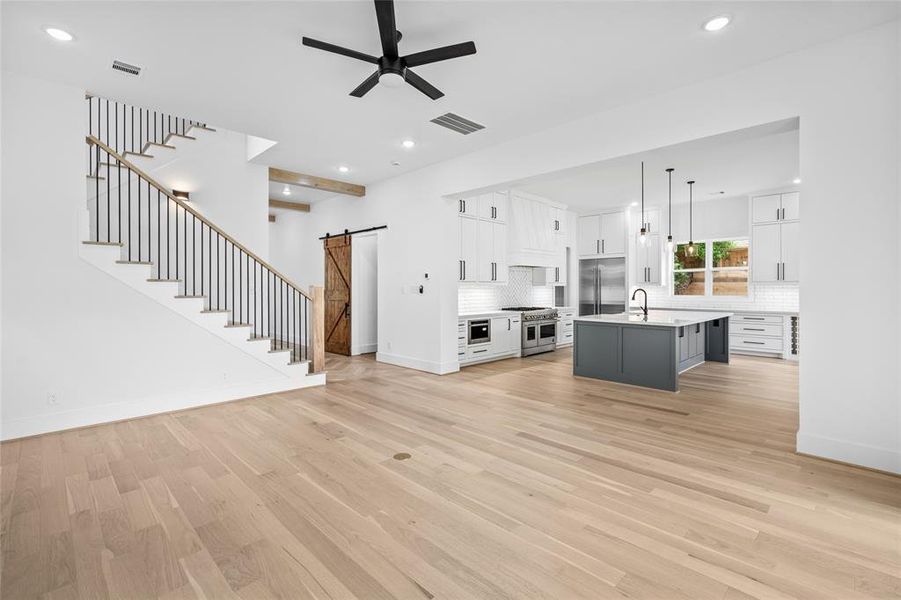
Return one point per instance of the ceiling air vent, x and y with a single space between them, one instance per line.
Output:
126 68
457 123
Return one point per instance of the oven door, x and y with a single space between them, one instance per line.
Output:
547 333
479 332
529 335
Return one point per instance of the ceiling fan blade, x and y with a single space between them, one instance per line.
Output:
384 12
339 50
367 85
422 85
438 54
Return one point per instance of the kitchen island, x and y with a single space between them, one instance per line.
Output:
651 350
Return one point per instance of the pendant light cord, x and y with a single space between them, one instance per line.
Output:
669 172
642 195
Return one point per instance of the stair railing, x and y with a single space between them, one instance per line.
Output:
130 209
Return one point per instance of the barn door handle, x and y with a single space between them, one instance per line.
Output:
346 310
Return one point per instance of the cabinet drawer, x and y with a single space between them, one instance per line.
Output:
752 328
480 351
752 318
755 344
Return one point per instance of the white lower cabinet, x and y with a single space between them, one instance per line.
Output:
751 333
505 342
565 327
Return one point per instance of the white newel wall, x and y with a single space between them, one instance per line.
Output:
78 346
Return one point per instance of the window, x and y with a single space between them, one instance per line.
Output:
717 268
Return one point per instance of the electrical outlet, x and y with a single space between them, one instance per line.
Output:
51 399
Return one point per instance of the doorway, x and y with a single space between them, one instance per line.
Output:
364 294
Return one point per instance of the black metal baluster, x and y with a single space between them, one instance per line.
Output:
193 256
149 227
132 128
97 197
140 248
107 125
233 280
176 240
116 129
218 270
209 237
109 176
255 321
159 245
119 204
201 258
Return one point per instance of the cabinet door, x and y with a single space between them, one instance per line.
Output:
613 233
589 235
500 206
486 251
766 209
468 206
515 335
486 206
469 249
651 220
791 255
699 332
652 259
766 253
791 206
499 251
641 261
500 335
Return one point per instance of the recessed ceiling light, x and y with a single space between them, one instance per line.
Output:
796 180
343 169
408 143
59 34
716 23
286 191
394 163
634 203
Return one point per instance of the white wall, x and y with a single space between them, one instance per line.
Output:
100 349
846 94
364 293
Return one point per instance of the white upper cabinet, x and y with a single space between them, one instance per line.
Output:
559 221
791 206
791 255
652 220
648 260
468 268
613 233
492 252
493 206
774 208
602 235
468 206
589 241
766 253
531 223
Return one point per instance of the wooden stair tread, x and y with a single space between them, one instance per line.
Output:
277 350
179 135
95 177
212 311
149 144
259 339
299 362
182 297
120 244
165 280
141 154
133 262
204 127
234 325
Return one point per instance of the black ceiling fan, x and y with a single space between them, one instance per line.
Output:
390 63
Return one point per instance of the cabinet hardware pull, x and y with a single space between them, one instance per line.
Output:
599 246
777 213
464 270
464 205
603 246
757 343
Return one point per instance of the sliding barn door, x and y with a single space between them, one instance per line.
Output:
337 295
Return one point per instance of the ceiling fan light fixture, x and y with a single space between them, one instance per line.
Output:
391 79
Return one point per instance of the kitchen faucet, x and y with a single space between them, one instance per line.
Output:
645 307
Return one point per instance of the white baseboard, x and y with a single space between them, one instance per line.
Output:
364 348
420 365
883 459
142 407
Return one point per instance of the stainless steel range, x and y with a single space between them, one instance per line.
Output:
539 329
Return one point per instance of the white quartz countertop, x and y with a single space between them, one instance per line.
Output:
657 318
488 314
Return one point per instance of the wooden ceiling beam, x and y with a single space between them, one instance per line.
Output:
299 206
316 183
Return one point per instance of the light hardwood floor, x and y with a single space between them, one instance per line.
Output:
522 482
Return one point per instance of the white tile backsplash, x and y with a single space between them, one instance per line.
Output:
781 298
519 291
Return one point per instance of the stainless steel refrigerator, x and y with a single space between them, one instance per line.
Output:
602 286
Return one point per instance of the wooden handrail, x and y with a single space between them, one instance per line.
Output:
93 141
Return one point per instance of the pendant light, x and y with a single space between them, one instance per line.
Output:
643 236
669 238
691 244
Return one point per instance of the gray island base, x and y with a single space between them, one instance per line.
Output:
648 351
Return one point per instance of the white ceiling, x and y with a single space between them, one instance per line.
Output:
240 65
735 163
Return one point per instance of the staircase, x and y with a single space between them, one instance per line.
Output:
145 236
